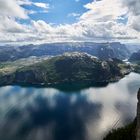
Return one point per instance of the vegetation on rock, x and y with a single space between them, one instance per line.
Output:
66 68
125 133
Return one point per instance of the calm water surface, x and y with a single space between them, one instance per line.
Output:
28 113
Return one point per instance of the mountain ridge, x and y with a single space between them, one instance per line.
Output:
100 50
67 68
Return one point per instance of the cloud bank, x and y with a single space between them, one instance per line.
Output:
105 20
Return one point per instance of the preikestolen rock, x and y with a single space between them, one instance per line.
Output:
138 117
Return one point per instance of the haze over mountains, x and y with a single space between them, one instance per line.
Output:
135 56
100 50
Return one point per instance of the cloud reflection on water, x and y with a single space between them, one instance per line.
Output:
48 113
35 116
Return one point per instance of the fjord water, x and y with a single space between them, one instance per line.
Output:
29 113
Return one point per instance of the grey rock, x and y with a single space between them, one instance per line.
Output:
138 117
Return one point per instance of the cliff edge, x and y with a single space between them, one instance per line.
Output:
138 117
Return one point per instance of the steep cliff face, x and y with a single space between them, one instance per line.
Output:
138 117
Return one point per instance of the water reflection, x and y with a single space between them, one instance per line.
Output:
52 114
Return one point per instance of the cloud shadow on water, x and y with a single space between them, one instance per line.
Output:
63 118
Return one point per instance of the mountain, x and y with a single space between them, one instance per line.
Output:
133 47
100 50
113 50
135 60
67 68
135 57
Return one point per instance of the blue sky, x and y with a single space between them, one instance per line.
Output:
59 11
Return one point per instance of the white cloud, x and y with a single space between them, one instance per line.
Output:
99 23
135 23
11 8
104 10
44 6
101 20
41 5
133 6
10 25
134 13
24 2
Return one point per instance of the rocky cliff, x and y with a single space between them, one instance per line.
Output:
138 117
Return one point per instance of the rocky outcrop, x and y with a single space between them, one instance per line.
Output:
138 117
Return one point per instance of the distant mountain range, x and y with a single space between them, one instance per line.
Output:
135 60
133 47
100 50
67 68
135 57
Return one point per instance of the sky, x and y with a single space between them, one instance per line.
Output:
42 21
